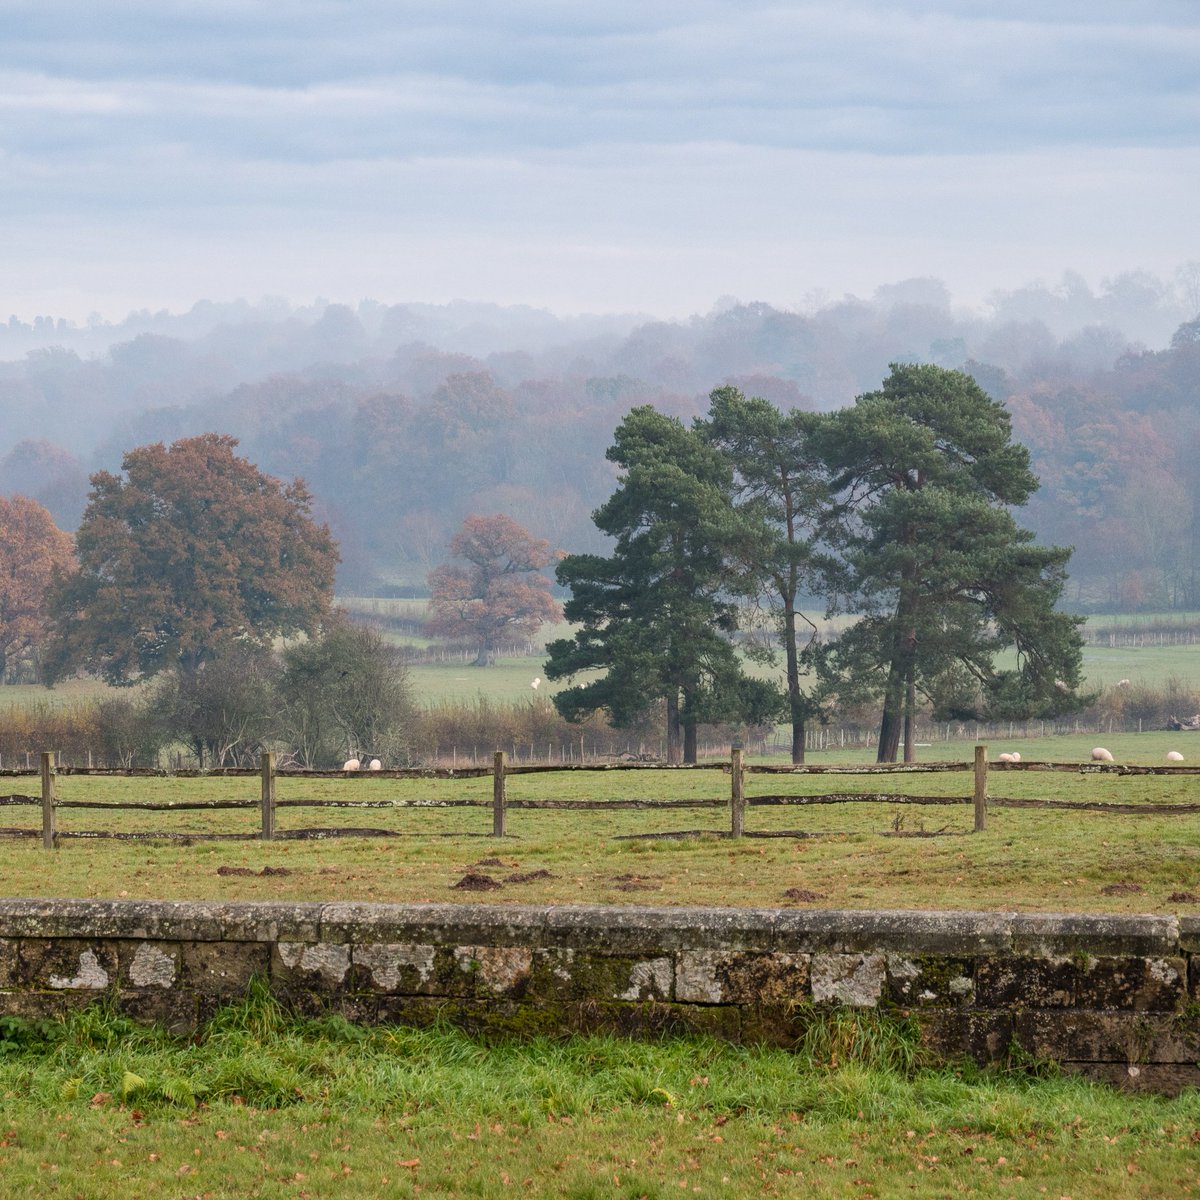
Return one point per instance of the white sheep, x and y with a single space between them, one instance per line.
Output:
1174 756
351 764
1122 683
1099 754
374 765
1006 758
1016 756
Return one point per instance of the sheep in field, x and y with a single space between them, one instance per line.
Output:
1099 754
351 764
1174 756
1016 756
374 765
1006 758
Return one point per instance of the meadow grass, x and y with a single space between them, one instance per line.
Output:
260 1104
844 855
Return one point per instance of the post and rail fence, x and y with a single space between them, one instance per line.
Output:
501 802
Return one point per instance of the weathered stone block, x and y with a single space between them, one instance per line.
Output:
849 931
740 977
271 921
567 974
1066 935
630 930
223 969
441 924
496 970
983 1036
177 1011
925 981
321 966
1020 982
67 964
1137 983
1121 1037
150 964
9 962
408 968
855 980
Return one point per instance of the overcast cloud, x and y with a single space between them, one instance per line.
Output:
646 156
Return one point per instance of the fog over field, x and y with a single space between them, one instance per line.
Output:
558 213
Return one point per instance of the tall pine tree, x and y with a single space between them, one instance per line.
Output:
655 616
944 578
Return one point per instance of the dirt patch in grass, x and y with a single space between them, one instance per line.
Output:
1123 888
1183 898
529 876
251 872
473 881
492 862
806 895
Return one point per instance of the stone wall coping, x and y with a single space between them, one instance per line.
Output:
612 928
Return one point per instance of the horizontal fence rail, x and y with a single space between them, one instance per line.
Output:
269 803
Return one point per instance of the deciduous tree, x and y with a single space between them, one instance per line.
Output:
498 594
190 550
32 547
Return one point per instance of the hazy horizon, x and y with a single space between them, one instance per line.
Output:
633 159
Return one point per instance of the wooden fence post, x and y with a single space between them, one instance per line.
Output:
48 799
981 774
268 795
737 799
499 796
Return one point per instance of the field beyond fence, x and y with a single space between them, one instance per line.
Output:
268 801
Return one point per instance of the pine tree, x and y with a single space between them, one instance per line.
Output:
655 616
944 578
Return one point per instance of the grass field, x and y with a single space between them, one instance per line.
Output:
261 1105
843 855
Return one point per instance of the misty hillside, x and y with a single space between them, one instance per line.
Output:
405 418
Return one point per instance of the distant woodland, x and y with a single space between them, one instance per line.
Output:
404 419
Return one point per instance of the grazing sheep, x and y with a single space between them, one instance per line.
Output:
374 765
351 764
1099 754
1016 756
1174 756
1122 683
1006 757
536 683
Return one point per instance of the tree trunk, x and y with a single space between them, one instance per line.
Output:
795 701
889 726
910 703
689 743
673 750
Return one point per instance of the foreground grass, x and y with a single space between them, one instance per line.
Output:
844 855
261 1105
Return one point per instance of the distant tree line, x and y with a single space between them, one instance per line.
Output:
196 570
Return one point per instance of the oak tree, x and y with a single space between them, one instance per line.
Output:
495 593
32 547
190 550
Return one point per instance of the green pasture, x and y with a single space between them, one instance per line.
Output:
260 1105
878 854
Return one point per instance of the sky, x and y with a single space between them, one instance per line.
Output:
630 156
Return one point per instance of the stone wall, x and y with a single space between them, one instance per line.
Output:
1116 996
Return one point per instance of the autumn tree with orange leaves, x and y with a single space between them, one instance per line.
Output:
190 551
32 547
498 593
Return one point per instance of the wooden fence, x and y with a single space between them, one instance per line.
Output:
501 803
